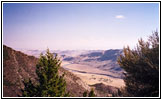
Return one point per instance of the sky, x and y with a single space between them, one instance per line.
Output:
78 26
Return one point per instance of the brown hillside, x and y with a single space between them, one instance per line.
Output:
106 90
18 66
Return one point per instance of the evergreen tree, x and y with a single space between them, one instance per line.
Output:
50 84
91 93
85 94
141 67
29 89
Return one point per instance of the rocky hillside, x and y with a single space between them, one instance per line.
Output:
106 90
18 66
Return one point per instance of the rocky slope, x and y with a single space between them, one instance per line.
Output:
18 66
106 90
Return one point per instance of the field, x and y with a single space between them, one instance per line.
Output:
91 75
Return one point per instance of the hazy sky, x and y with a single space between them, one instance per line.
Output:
78 25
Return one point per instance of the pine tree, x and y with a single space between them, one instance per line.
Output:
50 83
85 94
29 90
91 93
141 67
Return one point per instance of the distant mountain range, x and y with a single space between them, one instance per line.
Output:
61 53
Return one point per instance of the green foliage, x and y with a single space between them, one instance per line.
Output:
91 93
141 67
50 83
85 94
29 90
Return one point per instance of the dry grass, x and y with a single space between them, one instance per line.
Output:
91 78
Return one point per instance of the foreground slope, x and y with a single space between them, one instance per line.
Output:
18 66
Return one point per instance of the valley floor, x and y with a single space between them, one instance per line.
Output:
91 75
